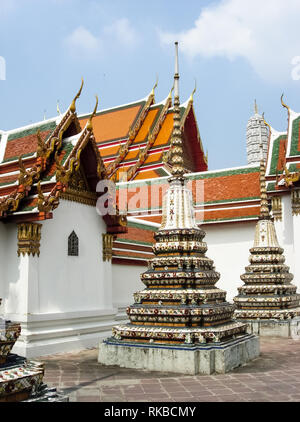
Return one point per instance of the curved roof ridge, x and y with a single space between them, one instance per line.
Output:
31 125
81 116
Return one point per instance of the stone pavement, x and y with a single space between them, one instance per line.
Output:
273 377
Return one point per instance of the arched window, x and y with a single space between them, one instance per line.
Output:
73 244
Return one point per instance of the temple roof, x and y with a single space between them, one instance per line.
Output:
48 161
219 196
135 138
283 153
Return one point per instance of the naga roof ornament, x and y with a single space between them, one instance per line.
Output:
72 107
89 125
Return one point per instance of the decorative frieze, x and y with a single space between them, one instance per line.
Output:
107 245
295 202
83 197
29 236
277 208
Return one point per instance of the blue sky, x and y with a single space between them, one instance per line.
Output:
237 50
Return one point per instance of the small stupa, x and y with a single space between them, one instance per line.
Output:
181 322
21 380
268 301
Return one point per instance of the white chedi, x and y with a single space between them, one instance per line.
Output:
257 138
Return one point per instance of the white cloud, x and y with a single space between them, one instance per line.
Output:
123 32
82 43
265 33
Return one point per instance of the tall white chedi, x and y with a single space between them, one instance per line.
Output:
181 322
257 137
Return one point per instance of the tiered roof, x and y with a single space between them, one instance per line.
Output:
47 161
284 154
219 196
135 138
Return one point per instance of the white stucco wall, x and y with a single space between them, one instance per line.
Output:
2 260
228 245
70 283
13 296
63 302
126 281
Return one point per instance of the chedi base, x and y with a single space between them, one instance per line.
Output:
203 359
289 328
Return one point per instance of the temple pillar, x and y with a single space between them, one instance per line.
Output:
295 224
286 232
29 236
277 213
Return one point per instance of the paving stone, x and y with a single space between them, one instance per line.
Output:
274 376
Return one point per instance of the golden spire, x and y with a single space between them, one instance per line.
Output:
176 151
89 123
73 106
264 209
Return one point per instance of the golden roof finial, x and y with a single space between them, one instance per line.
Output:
155 85
283 104
73 104
89 125
57 108
194 90
266 123
264 209
170 93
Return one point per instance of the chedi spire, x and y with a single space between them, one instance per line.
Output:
176 151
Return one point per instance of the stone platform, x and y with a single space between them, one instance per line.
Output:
195 359
274 328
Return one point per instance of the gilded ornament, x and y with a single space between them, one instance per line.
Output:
72 107
107 245
29 236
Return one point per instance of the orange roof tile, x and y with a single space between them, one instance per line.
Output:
146 126
153 158
114 124
109 151
147 174
229 213
231 187
165 131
